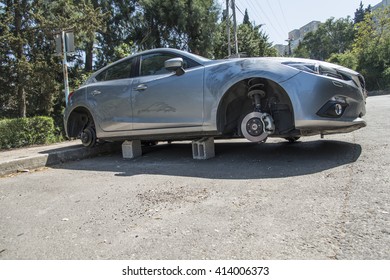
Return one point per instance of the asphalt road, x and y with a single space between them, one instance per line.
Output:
316 199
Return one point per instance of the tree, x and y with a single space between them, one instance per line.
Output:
201 24
370 54
15 33
252 41
118 31
81 15
31 76
246 18
347 59
361 12
183 24
372 49
333 36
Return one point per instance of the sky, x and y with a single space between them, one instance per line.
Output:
281 16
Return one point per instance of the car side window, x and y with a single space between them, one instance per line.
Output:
153 64
101 76
117 71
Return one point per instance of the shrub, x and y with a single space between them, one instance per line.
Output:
21 132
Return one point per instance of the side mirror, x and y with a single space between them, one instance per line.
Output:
175 64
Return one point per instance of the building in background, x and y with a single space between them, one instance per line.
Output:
383 4
295 37
282 50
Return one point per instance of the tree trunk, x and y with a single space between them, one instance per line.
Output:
22 101
89 57
21 94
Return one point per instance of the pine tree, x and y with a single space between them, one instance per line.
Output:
183 24
246 18
31 76
252 41
361 12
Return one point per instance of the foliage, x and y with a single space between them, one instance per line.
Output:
15 133
363 45
361 12
347 59
252 41
372 49
333 36
119 28
246 18
183 24
31 76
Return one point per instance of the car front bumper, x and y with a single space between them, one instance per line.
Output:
310 94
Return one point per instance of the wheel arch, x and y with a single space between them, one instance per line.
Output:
235 102
79 118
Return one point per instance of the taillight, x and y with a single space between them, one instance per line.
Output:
70 96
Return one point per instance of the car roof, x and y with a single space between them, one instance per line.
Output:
197 58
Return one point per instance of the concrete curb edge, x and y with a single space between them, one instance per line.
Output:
55 157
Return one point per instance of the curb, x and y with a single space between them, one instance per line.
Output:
55 157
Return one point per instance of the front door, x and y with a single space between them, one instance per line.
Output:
162 99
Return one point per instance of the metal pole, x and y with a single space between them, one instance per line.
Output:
235 26
289 46
228 28
65 66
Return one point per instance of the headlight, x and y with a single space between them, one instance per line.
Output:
306 67
317 68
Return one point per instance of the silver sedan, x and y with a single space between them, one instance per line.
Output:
167 94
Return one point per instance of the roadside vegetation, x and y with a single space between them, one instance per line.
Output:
19 132
31 79
362 44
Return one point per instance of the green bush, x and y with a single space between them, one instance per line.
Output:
21 132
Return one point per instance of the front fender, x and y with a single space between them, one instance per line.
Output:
219 78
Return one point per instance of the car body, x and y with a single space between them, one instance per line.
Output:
168 94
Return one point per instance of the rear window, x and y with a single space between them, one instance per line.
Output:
117 71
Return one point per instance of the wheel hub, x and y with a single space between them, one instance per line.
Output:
88 137
254 126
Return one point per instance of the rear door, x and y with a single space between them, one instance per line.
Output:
110 97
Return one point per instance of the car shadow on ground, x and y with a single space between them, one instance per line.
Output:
234 160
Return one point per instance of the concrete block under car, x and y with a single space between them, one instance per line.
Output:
203 148
131 149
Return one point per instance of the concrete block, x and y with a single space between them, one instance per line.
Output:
203 148
131 149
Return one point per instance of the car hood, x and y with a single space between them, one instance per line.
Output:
286 61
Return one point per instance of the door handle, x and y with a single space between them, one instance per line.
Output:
141 87
96 92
